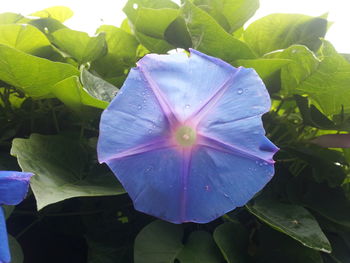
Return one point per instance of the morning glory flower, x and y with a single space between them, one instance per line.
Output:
13 189
185 138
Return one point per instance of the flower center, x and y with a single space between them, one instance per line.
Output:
185 136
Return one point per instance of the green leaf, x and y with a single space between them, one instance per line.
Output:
328 85
35 76
154 22
303 64
47 25
63 169
158 242
97 87
292 220
324 163
60 13
10 18
80 45
278 31
312 116
8 209
132 6
154 45
71 93
177 35
121 53
26 38
232 239
331 203
231 15
264 67
200 248
15 250
276 247
341 251
209 37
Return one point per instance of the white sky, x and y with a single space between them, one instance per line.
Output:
90 14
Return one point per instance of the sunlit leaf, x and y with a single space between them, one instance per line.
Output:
80 45
35 76
60 13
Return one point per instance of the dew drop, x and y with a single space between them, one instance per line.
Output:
187 106
149 131
239 91
139 107
226 195
135 6
206 188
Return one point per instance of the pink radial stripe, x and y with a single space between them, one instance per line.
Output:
147 147
162 100
185 172
228 148
198 115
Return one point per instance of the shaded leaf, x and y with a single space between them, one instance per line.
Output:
15 250
278 31
62 168
177 35
158 242
276 247
8 209
232 239
311 115
292 220
200 248
331 203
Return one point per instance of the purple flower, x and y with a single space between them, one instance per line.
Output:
13 189
185 138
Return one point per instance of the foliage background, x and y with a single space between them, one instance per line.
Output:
55 82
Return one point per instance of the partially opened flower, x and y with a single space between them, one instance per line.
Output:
13 189
185 137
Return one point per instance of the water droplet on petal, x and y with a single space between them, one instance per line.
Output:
239 91
139 107
187 106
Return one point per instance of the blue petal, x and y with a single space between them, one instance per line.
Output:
4 247
187 82
153 181
243 96
13 187
133 119
220 181
234 116
246 135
